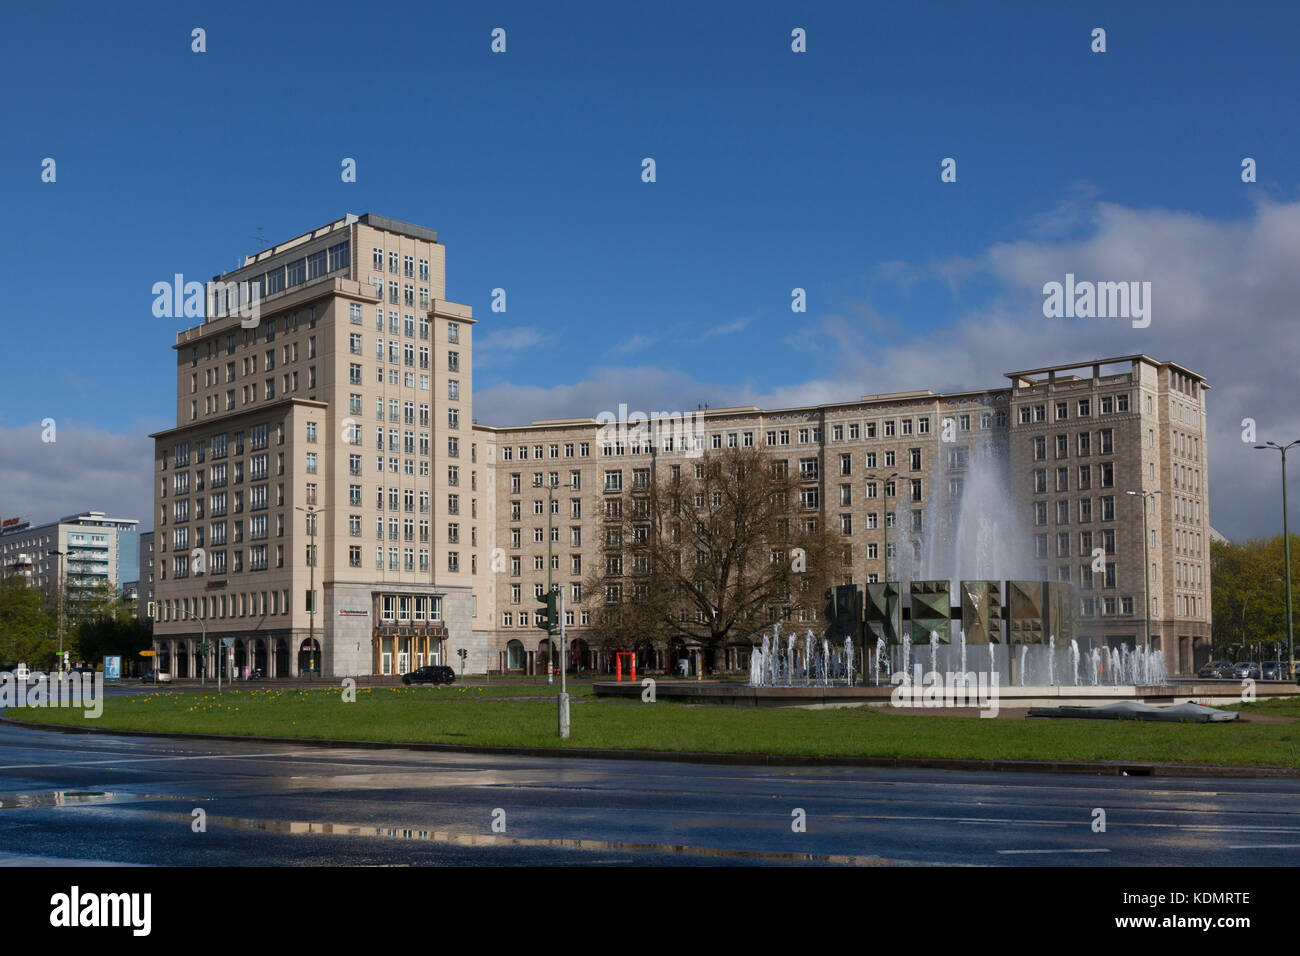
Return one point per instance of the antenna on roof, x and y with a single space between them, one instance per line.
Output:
261 238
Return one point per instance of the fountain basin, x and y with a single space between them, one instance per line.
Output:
738 694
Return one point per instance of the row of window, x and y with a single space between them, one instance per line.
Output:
1105 540
407 291
218 502
1107 405
258 435
407 562
1083 440
315 265
407 324
245 604
1084 510
410 607
396 379
508 618
408 530
214 562
583 451
1105 478
408 264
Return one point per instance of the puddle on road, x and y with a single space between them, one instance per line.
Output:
68 798
466 838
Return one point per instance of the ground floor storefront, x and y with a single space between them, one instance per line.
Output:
236 657
399 648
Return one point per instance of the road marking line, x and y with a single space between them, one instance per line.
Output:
1054 851
1265 846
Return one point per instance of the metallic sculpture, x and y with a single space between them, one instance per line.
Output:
884 612
981 611
931 611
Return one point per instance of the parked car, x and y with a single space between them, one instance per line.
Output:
1246 669
1273 670
430 674
1218 669
154 676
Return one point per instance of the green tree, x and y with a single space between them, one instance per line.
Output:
25 626
112 635
1249 577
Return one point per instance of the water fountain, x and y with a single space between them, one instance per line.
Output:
972 531
822 665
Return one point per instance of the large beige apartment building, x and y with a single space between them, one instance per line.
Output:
349 405
317 501
889 472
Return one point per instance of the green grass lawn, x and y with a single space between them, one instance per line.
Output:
489 716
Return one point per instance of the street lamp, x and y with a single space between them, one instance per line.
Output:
1286 546
884 491
62 586
311 511
1146 557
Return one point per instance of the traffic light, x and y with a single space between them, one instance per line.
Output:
551 618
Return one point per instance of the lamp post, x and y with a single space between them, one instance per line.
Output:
884 491
1286 548
311 511
1146 558
62 586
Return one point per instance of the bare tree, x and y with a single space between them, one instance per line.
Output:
711 550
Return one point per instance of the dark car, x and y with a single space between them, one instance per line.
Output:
1274 670
154 676
430 674
1217 669
1246 669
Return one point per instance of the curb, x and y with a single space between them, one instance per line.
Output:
1099 768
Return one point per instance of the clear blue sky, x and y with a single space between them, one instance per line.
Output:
775 170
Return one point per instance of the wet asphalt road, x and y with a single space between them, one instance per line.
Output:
81 797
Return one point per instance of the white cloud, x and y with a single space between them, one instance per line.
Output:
1224 304
1224 300
85 468
728 328
636 343
503 346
